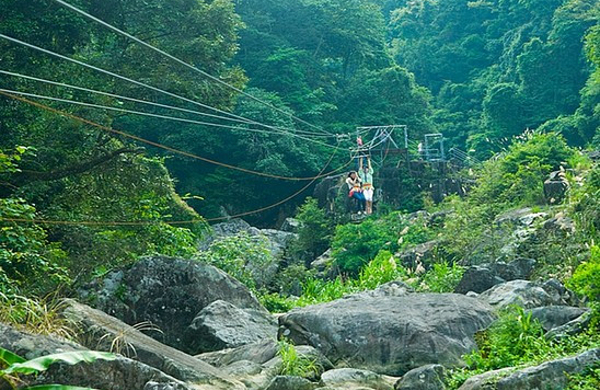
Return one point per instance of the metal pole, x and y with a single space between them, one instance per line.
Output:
442 149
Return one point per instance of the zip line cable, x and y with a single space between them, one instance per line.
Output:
165 106
171 118
158 145
174 223
124 78
205 74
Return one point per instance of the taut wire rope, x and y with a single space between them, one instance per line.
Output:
192 67
158 145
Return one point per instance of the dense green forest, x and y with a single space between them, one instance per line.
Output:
111 151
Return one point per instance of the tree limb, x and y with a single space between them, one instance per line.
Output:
77 168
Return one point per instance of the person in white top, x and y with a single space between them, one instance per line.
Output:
355 190
366 176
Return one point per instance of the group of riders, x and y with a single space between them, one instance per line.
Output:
360 186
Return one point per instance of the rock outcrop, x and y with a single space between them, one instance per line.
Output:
550 375
350 379
291 383
260 353
390 335
169 292
119 374
555 187
528 294
222 325
480 278
31 346
103 332
256 365
553 317
429 377
573 327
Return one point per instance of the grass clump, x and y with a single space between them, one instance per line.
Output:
514 339
588 380
38 316
586 281
295 364
517 340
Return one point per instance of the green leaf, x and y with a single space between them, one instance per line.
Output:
10 358
43 363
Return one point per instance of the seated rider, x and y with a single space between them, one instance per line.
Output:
355 190
366 176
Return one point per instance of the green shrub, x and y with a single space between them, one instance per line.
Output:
586 281
586 204
544 351
415 233
294 364
516 178
442 277
318 290
289 281
513 339
242 256
275 302
588 380
314 234
354 245
27 258
382 269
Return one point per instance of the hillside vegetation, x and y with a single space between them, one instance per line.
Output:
100 189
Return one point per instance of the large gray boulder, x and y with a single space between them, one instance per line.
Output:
229 228
555 187
279 240
526 294
390 335
257 364
120 374
351 378
573 327
169 292
222 325
291 225
103 332
31 346
420 254
550 375
482 277
260 352
429 377
391 289
291 383
552 317
324 266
